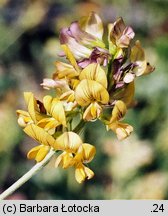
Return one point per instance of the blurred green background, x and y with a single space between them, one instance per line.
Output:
136 168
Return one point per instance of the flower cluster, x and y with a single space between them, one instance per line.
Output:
97 82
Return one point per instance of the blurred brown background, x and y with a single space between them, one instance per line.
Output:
136 168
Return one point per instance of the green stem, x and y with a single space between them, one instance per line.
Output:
80 126
109 74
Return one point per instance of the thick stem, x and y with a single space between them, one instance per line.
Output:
28 175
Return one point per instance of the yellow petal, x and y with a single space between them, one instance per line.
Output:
89 173
112 46
119 111
47 101
32 106
65 70
73 83
68 141
40 135
33 152
51 125
89 152
23 118
137 52
89 91
123 131
93 25
23 113
92 112
55 108
67 161
43 151
68 96
80 174
94 72
70 57
138 56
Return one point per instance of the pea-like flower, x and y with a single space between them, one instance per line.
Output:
121 129
41 136
84 39
75 153
91 92
141 66
35 111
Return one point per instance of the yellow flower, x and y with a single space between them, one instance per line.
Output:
75 153
92 112
23 118
41 136
90 92
34 113
56 114
38 153
94 72
122 130
138 57
65 70
82 172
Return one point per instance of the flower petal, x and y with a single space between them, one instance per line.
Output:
93 25
55 108
32 106
138 56
65 70
89 91
69 141
123 131
33 152
69 54
82 172
67 160
43 151
129 77
92 112
49 125
118 111
89 172
40 135
94 72
50 83
89 152
23 118
120 34
74 50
